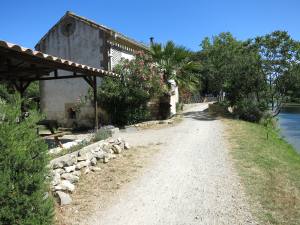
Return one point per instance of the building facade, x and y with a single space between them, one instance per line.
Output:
84 41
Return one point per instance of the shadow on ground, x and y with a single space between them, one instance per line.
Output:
52 144
199 115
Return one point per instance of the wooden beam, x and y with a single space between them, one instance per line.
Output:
47 63
27 70
95 103
62 77
26 84
89 81
28 77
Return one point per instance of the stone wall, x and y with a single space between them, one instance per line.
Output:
67 170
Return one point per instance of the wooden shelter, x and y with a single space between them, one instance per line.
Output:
21 66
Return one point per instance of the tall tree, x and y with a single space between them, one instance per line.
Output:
215 57
234 67
289 83
280 53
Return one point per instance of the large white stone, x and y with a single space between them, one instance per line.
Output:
99 154
93 161
70 177
81 164
64 161
55 179
106 159
59 171
77 173
64 198
70 168
65 185
57 164
117 149
126 146
81 158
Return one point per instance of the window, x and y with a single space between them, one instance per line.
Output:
68 27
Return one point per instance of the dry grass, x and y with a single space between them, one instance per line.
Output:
95 191
270 171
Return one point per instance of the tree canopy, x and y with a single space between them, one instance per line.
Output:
176 63
256 72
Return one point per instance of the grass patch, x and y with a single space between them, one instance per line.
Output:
270 172
70 150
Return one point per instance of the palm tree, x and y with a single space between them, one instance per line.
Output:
176 64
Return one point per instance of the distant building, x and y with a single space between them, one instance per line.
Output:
84 41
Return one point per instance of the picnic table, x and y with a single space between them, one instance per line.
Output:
55 132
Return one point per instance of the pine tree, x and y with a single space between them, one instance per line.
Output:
23 170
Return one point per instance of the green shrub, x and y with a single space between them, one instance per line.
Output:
249 110
23 171
101 135
4 93
30 98
126 99
179 106
218 109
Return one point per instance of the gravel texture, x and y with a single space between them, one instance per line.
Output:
190 181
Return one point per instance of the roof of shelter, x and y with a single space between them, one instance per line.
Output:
98 26
17 62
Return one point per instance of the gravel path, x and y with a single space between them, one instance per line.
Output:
191 180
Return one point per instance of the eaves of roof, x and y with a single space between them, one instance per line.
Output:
16 51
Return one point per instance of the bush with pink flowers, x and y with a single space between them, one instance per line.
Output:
126 99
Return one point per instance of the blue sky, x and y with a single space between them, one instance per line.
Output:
186 22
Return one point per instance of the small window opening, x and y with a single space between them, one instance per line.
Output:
68 28
71 113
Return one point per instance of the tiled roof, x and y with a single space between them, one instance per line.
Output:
40 55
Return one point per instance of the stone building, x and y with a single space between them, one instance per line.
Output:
84 41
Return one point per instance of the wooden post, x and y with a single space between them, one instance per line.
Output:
95 102
21 91
21 87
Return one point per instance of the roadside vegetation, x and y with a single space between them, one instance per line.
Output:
24 188
126 99
252 80
269 169
147 78
253 77
30 98
176 63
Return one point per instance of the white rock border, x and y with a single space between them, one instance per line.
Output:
67 169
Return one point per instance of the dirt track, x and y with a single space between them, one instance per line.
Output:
190 180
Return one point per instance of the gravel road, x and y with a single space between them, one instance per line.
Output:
191 180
